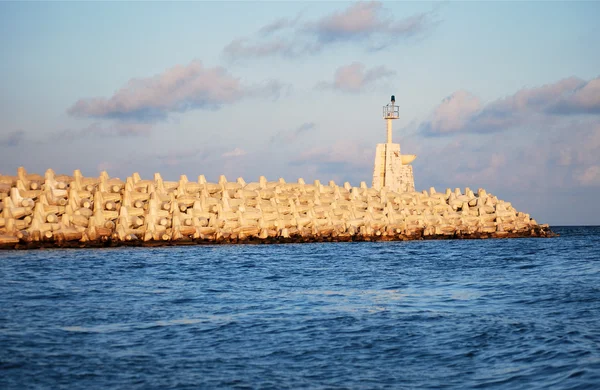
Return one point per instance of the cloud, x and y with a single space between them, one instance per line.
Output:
355 77
583 99
357 21
278 25
272 89
364 20
367 23
463 113
174 158
546 160
454 112
243 48
12 139
341 161
237 152
178 89
532 151
574 144
590 177
287 137
98 130
284 47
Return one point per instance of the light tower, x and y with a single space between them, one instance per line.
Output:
392 169
390 112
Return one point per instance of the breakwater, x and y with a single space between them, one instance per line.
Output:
77 211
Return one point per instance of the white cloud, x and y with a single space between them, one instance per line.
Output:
288 137
178 89
364 22
590 177
355 77
454 112
464 113
237 152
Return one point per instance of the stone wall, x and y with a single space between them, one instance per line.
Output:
76 211
406 178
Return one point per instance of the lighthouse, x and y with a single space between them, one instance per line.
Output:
392 170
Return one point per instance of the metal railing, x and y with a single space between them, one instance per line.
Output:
391 111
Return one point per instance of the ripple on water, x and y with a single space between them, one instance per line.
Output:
455 314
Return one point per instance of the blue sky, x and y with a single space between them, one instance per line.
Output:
499 95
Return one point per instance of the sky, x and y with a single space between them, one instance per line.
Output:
503 96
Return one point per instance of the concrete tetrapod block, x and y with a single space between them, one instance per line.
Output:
109 211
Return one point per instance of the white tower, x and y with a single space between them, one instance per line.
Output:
392 169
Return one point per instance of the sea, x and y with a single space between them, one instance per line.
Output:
458 314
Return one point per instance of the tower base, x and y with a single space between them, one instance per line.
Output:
389 171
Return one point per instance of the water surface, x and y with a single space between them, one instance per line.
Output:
520 313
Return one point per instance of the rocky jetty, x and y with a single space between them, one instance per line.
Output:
76 211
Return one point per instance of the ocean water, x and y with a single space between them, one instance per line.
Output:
514 314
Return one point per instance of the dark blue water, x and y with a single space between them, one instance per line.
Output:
521 313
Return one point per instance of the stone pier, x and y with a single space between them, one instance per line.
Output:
76 211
